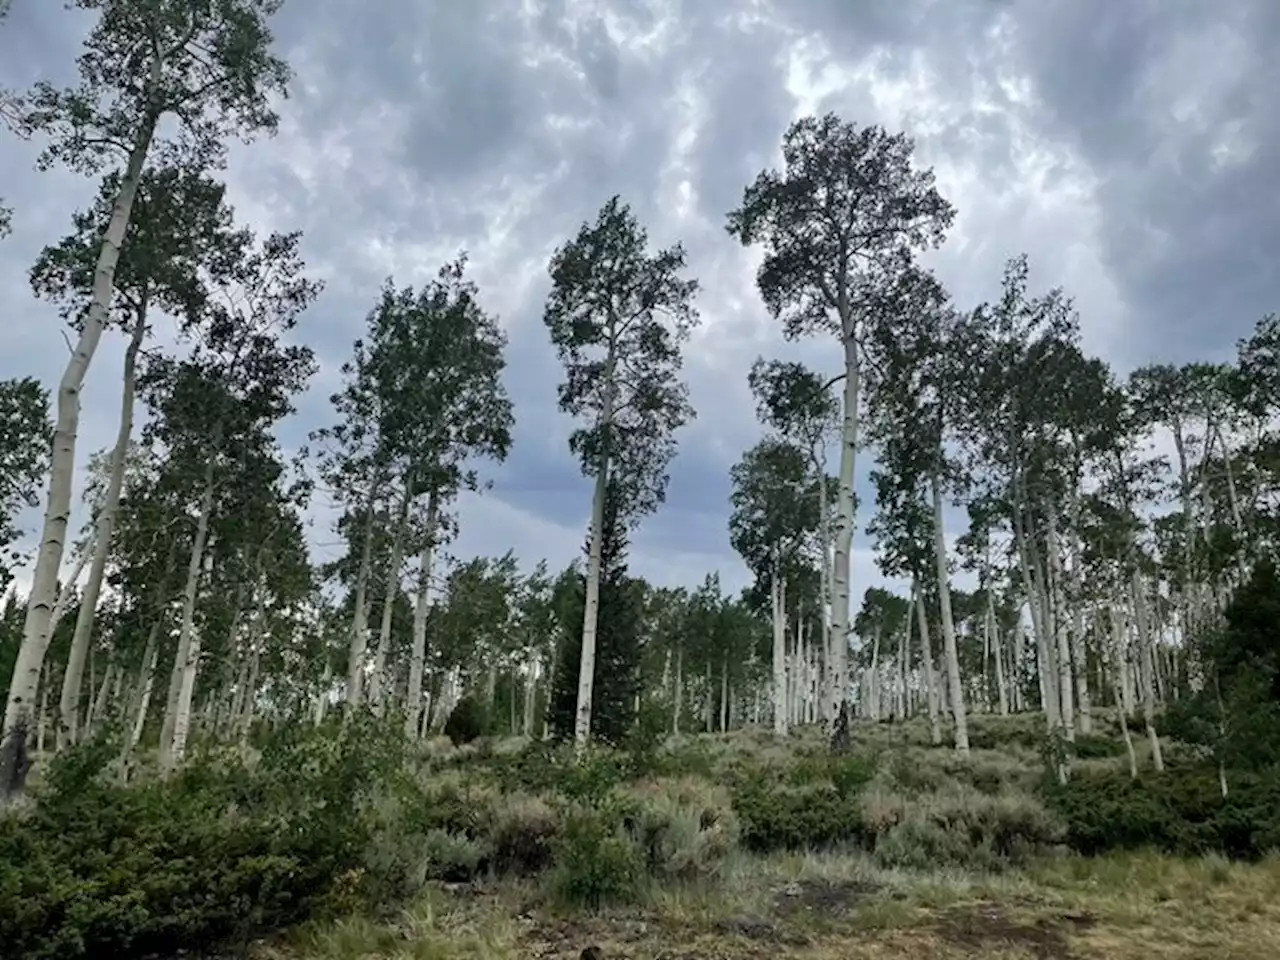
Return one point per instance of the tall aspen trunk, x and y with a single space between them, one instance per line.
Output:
841 567
591 606
677 692
69 703
779 597
360 615
1117 642
98 705
36 633
322 700
418 655
379 682
591 612
954 682
825 592
926 657
177 718
724 695
243 718
1062 647
1146 668
997 650
874 690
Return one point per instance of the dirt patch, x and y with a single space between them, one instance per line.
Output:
827 897
985 925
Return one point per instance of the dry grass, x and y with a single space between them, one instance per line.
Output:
828 907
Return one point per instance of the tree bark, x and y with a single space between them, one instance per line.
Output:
778 590
1146 668
69 703
841 567
954 681
36 633
379 683
177 721
418 654
360 613
926 657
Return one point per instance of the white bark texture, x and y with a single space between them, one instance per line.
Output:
69 703
418 654
955 683
19 706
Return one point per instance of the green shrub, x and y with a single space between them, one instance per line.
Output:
217 852
685 829
1181 812
467 721
956 826
1096 747
522 831
595 862
778 817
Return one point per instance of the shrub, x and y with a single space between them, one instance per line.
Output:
522 831
595 862
957 826
467 721
1181 812
685 829
217 852
777 817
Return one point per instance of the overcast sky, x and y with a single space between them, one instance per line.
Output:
1128 146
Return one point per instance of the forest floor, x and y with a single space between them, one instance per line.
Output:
1130 907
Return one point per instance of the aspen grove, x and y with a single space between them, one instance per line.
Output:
1085 548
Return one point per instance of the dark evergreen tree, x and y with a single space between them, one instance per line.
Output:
617 673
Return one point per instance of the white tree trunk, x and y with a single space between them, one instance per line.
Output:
1146 668
926 657
379 682
1062 649
841 567
69 703
997 651
955 684
1117 640
322 701
360 614
177 721
591 612
36 631
778 591
418 655
68 591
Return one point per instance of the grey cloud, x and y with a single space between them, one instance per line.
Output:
414 130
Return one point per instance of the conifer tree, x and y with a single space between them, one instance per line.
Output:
617 674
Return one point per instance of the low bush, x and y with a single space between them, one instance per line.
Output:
1180 812
779 817
958 826
218 852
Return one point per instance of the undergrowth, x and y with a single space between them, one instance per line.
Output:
348 820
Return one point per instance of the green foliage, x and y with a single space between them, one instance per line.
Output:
595 862
1237 713
618 622
467 722
218 852
1181 811
617 316
25 437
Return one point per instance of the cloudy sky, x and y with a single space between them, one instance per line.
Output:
1128 146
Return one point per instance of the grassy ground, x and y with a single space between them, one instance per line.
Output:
830 906
822 908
